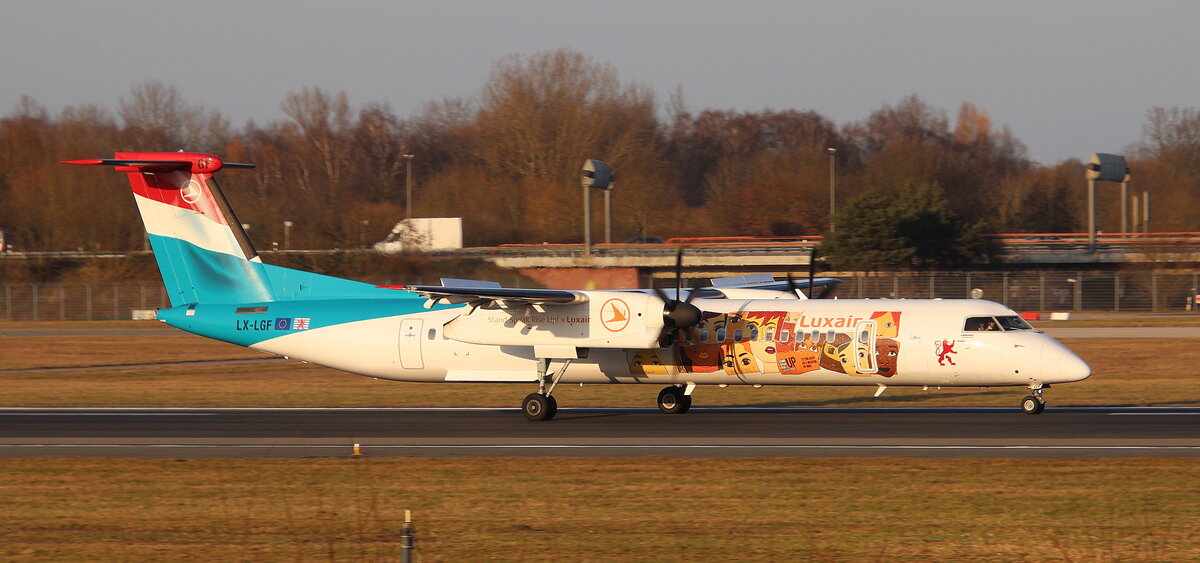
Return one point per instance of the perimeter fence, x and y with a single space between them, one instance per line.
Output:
1022 291
1038 291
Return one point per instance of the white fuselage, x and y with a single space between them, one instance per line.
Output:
740 342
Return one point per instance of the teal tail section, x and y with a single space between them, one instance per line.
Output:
201 248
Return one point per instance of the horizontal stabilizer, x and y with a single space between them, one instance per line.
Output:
211 164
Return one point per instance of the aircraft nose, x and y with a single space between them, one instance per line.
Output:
1061 365
1074 368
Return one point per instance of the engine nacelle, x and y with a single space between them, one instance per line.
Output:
609 319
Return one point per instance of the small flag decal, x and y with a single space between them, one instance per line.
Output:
297 323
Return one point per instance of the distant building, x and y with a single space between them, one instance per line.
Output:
423 234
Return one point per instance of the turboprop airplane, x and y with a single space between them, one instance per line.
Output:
751 330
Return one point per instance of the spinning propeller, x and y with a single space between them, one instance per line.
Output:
678 314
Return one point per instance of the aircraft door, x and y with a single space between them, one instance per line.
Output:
865 348
410 344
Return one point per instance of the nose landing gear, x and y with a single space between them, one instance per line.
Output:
1035 403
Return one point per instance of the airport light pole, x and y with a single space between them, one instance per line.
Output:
408 186
1104 168
287 235
608 214
596 175
832 184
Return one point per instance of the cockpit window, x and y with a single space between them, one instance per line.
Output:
1013 322
995 324
981 324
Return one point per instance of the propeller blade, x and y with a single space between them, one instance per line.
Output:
661 294
678 314
812 270
678 273
792 287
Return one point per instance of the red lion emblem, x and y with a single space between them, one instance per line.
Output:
944 349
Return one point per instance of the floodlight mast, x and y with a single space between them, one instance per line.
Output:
1105 168
596 175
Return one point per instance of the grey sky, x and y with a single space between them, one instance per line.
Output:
1068 77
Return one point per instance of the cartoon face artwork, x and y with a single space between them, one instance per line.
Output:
831 352
851 356
791 344
646 362
886 353
710 329
765 339
700 358
887 324
739 359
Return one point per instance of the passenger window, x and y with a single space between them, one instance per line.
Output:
432 333
720 335
737 335
753 333
784 335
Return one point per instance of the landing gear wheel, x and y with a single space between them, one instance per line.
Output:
537 406
671 400
1032 405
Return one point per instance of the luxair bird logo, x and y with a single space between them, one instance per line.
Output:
614 315
191 191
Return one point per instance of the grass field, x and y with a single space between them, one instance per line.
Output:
602 509
583 509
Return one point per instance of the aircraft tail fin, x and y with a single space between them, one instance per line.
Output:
202 251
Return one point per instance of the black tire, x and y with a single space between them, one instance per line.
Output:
1032 405
537 406
671 400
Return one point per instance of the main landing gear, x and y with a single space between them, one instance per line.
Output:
675 399
1035 403
538 406
541 405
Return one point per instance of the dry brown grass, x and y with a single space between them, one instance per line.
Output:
581 509
602 509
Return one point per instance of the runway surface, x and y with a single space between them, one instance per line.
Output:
704 432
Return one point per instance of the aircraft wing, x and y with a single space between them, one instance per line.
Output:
735 287
489 296
769 283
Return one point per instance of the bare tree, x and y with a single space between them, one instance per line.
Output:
159 119
1172 135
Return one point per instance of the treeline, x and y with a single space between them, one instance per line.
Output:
508 160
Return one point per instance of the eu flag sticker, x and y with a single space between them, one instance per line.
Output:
283 324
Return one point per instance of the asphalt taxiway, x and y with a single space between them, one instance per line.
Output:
1098 432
